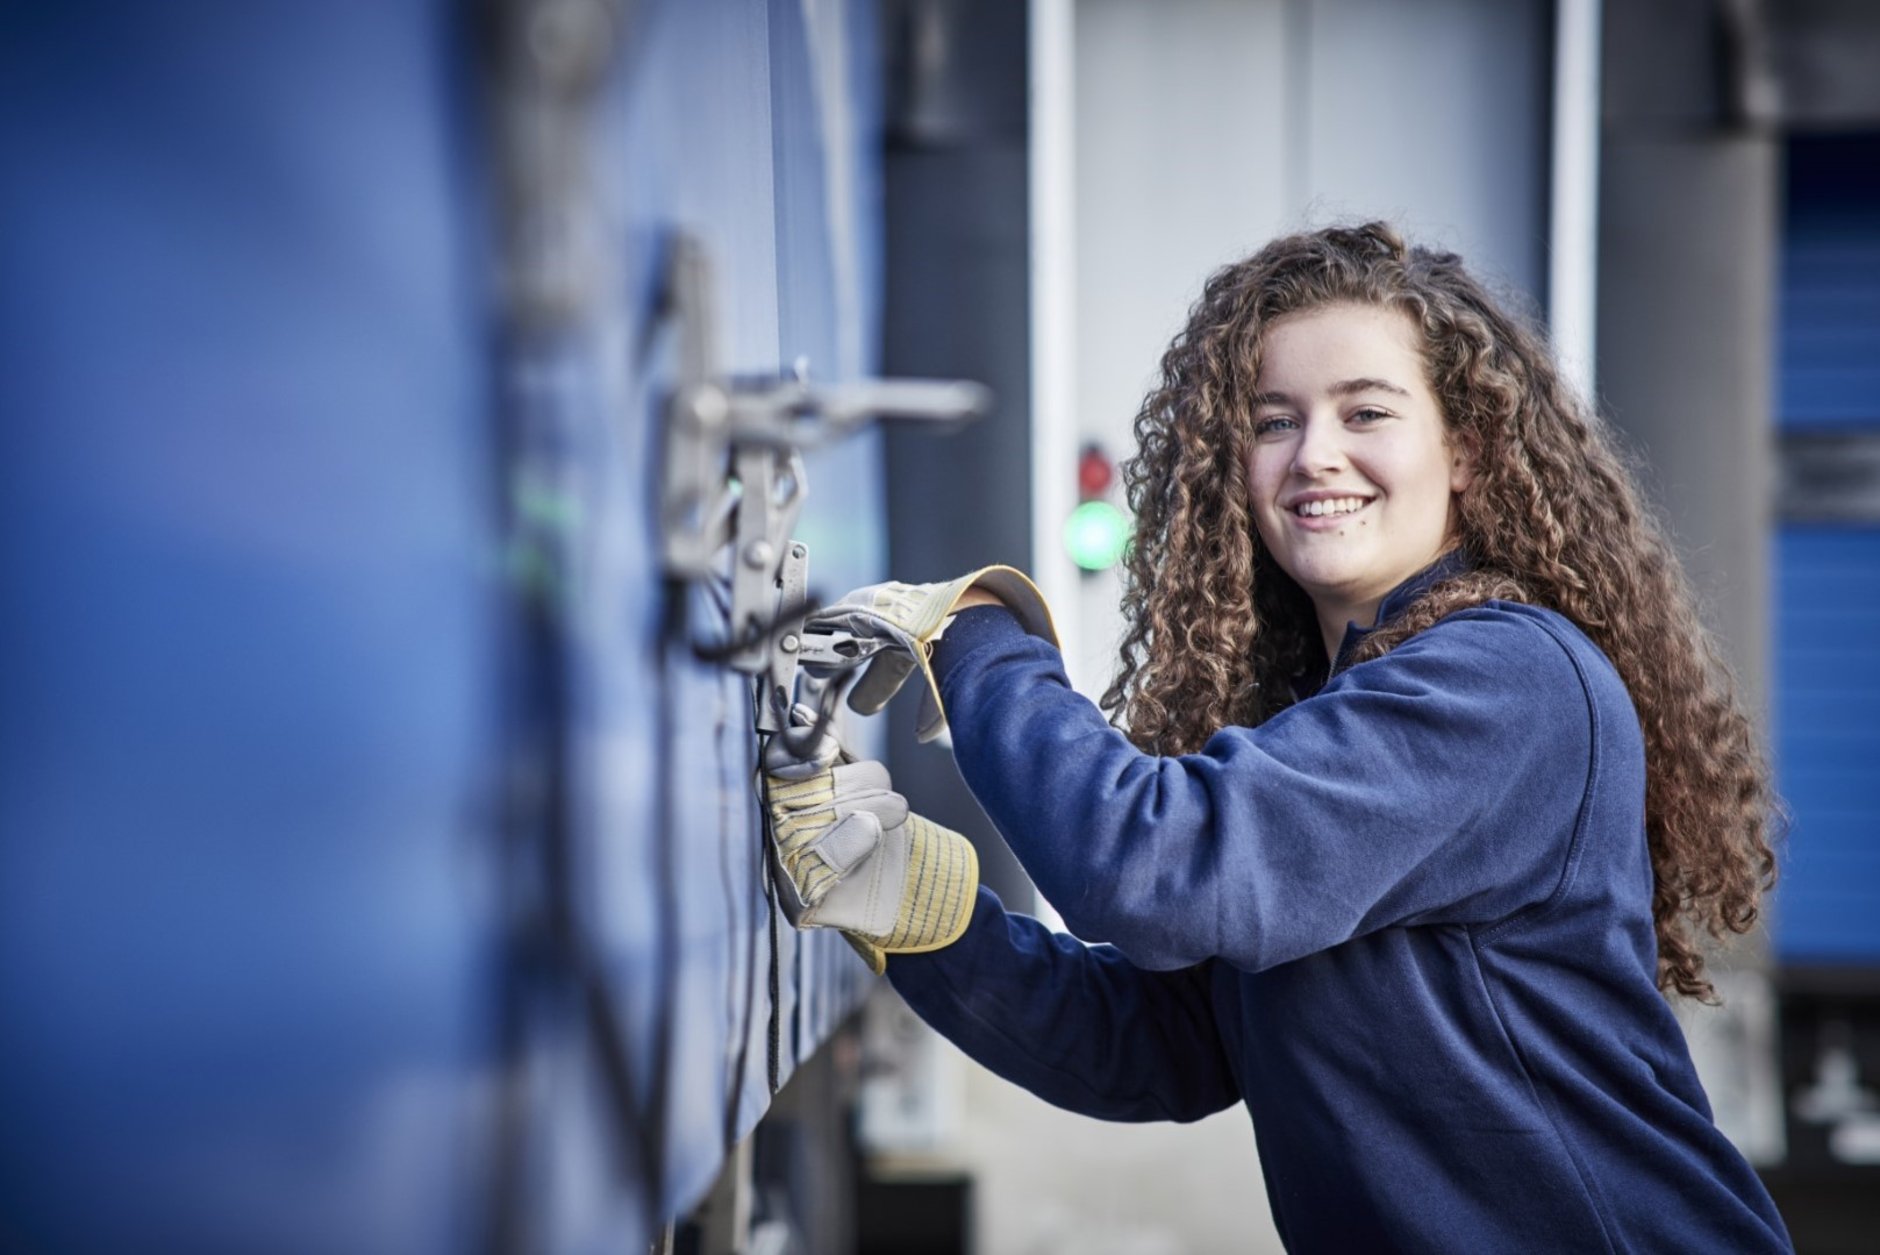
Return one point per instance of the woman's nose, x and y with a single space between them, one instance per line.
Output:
1320 449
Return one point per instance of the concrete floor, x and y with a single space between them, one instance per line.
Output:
1051 1183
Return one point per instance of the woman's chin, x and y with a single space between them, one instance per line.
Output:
1321 578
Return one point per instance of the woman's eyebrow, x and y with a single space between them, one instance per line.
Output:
1346 387
1343 388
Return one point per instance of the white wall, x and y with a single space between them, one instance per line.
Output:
1198 130
1203 128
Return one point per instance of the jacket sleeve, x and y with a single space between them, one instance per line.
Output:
1077 1025
1440 783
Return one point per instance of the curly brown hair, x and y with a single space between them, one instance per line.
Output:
1552 517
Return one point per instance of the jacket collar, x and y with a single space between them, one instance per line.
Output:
1395 603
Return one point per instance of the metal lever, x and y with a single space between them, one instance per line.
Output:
773 654
734 469
712 420
832 650
796 414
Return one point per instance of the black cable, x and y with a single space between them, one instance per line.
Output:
757 632
765 836
775 1051
796 1003
727 882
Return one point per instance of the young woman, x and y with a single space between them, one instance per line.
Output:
1431 785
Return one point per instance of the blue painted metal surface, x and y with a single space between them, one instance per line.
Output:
1828 742
1827 693
1829 321
251 741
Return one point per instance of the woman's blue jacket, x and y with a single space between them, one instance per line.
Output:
1406 921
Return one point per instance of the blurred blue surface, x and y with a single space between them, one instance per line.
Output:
1829 320
1828 742
248 725
251 738
1827 692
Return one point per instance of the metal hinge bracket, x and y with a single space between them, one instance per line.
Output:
734 473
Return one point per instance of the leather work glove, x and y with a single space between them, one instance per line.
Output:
907 618
852 856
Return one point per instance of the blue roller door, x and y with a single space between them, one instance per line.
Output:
1827 556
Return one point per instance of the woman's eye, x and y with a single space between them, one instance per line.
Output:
1264 425
1369 415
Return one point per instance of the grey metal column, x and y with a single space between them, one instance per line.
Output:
1689 228
1690 179
957 307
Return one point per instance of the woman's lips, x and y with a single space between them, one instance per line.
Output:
1326 522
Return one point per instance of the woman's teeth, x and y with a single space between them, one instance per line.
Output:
1332 505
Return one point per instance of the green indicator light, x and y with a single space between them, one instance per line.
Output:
1096 534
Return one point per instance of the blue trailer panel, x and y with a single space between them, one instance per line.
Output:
256 742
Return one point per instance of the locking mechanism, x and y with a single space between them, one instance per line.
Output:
734 475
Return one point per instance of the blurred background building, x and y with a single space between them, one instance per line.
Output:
379 869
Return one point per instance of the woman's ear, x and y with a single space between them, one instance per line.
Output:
1461 462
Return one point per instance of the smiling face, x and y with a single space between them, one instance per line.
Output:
1350 469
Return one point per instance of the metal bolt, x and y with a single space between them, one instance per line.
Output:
789 643
797 551
758 555
709 405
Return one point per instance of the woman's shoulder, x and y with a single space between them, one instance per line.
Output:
1497 682
1526 644
1497 634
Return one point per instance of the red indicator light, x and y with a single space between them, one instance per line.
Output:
1095 473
